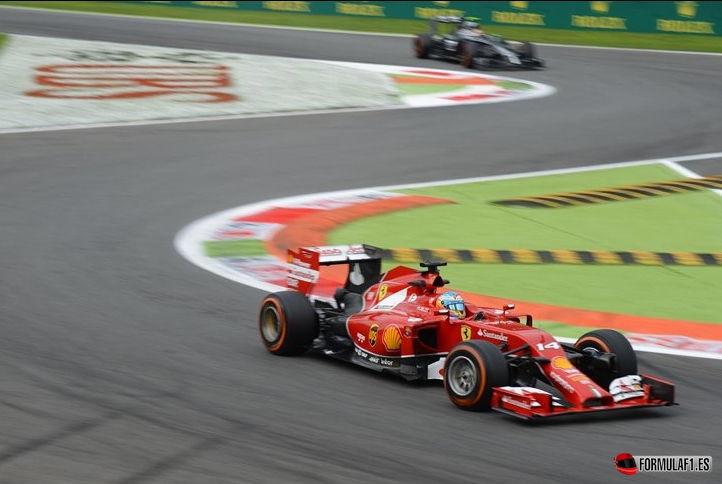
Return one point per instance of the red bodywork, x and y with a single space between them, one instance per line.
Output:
401 322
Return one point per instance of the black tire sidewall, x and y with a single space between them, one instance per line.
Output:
422 45
468 54
528 50
491 368
610 341
298 319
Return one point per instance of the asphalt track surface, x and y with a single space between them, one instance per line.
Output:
120 362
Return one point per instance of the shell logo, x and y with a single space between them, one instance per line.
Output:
562 363
392 338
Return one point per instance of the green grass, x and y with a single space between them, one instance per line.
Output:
687 222
562 330
234 248
409 89
235 16
606 39
3 37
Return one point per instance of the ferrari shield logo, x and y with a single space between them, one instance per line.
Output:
373 333
382 291
465 333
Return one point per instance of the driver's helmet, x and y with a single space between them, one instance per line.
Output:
468 24
452 301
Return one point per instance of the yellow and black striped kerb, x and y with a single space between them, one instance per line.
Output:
576 257
605 195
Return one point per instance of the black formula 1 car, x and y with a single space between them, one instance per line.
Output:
408 323
461 40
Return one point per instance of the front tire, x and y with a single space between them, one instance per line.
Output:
527 50
609 341
471 371
288 323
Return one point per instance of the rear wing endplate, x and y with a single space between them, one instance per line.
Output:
304 265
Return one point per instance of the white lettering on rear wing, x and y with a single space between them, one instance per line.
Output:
304 264
339 254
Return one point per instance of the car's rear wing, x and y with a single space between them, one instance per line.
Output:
363 260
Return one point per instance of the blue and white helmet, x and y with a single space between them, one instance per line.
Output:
452 301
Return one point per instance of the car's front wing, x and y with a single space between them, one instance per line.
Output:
533 403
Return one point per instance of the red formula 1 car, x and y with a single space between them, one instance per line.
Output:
406 321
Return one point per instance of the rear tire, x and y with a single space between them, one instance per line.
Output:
472 369
468 54
422 45
288 323
609 341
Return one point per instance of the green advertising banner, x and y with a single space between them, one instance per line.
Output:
643 17
684 17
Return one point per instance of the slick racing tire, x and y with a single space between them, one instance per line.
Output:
288 323
609 341
422 45
468 54
472 369
527 50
